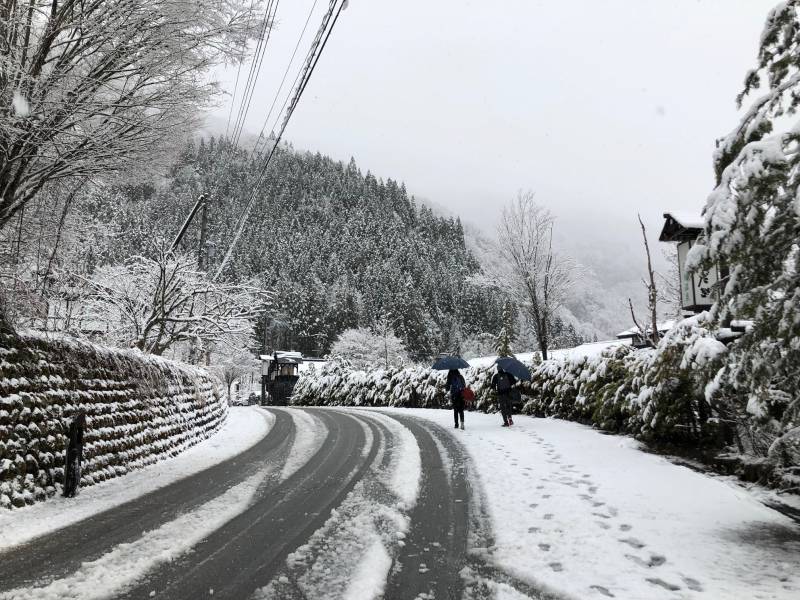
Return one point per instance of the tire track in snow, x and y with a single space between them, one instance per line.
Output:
435 550
61 553
126 563
345 556
248 551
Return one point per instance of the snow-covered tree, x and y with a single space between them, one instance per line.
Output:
530 271
752 229
507 334
364 349
154 304
92 87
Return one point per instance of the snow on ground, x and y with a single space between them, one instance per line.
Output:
591 515
126 564
405 469
310 434
244 427
350 556
587 350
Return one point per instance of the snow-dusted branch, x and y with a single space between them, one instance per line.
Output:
153 304
91 87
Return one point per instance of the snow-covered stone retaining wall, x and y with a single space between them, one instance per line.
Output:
139 409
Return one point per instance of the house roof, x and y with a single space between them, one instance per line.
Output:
663 327
283 357
680 225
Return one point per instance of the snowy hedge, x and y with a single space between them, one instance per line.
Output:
139 409
668 396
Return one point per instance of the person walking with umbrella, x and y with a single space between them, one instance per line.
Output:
455 384
509 370
502 382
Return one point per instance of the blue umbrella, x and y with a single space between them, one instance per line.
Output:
445 363
509 364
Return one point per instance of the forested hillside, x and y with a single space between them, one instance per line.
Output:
339 248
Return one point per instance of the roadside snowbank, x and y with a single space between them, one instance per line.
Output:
244 427
592 515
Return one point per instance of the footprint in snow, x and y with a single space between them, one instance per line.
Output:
544 547
556 566
601 515
548 516
602 590
597 504
612 511
533 530
656 560
660 582
633 543
533 505
625 527
545 495
585 496
692 584
603 525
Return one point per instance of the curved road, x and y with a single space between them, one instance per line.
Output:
246 557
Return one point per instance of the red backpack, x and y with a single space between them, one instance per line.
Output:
469 396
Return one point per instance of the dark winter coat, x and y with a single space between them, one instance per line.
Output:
496 382
455 389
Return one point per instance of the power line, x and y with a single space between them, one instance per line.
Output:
255 69
285 74
317 47
239 69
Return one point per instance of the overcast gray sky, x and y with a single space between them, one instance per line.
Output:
604 108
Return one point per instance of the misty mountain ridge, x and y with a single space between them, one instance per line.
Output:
610 267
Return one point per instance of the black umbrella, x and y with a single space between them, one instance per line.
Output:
509 364
445 363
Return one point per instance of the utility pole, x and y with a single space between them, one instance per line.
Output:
202 251
200 202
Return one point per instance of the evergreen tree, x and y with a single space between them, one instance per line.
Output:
752 230
505 338
337 247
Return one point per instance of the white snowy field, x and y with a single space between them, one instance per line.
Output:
244 427
590 515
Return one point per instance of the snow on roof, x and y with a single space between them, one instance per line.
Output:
686 219
663 326
284 356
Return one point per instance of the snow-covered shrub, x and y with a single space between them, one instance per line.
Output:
338 384
139 409
752 230
676 385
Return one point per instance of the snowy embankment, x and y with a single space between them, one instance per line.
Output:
244 427
591 515
139 409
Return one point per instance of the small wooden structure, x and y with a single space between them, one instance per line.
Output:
279 374
697 289
637 340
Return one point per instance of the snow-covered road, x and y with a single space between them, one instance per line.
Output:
395 503
590 515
